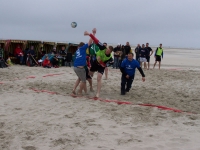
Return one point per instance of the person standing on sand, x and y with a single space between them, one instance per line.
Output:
116 56
143 53
88 77
158 54
79 66
127 68
137 50
102 57
127 48
150 52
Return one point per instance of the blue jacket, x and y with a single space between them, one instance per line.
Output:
32 52
80 56
128 67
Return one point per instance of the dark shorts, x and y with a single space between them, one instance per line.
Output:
148 58
96 67
158 58
87 74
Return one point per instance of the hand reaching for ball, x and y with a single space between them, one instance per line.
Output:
86 33
94 31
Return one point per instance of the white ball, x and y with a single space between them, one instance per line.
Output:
73 24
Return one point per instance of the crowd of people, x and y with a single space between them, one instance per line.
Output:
30 58
142 55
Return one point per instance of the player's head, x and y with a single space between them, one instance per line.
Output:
105 44
160 45
130 56
147 44
81 44
109 50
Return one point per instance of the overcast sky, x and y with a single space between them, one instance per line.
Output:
170 22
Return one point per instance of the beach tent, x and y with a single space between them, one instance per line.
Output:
72 47
48 46
59 46
3 42
11 47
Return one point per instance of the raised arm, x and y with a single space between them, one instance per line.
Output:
96 41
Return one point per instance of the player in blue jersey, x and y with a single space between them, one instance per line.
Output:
79 64
127 68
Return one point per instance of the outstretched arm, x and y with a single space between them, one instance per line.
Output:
96 41
87 33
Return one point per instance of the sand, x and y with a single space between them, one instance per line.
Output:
38 113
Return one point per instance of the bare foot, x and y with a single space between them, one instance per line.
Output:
73 92
97 95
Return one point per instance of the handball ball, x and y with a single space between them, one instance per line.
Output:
73 24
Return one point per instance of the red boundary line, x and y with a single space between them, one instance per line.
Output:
116 101
48 75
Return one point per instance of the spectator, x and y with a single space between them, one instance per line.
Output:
46 63
127 48
32 57
54 60
158 54
62 55
137 50
25 55
143 52
18 53
116 56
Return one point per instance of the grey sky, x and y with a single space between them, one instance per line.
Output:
171 22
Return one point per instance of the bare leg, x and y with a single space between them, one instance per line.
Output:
106 73
91 73
90 83
75 86
141 64
82 87
145 65
99 76
154 64
159 63
148 65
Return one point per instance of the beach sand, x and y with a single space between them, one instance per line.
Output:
38 113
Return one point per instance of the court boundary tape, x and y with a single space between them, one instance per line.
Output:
114 101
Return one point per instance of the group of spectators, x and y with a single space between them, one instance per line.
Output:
142 54
30 58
